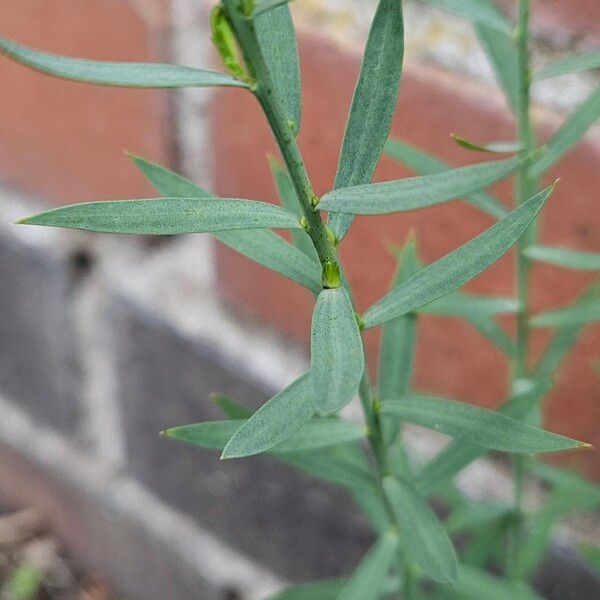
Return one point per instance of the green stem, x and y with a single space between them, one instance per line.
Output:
264 90
526 187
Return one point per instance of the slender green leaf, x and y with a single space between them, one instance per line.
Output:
561 257
373 104
369 579
581 313
475 584
398 339
262 245
491 147
343 465
312 435
459 454
277 38
337 356
167 216
231 408
572 130
424 164
591 555
289 199
414 193
144 75
468 305
428 543
494 333
337 466
571 64
485 428
477 11
274 422
564 339
567 481
458 267
502 53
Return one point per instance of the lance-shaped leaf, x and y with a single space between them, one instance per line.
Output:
230 407
315 434
289 199
398 338
262 246
274 422
455 269
425 164
369 579
565 338
143 75
485 428
337 356
343 465
167 216
572 130
459 454
277 38
470 306
373 104
428 543
580 313
491 147
502 53
475 583
571 64
477 11
561 257
414 193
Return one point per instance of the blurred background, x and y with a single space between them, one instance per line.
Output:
105 341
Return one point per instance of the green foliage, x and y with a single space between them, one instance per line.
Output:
571 64
425 164
373 104
167 216
416 192
143 75
24 583
560 257
257 44
458 267
369 579
274 422
427 542
261 245
478 11
337 356
277 38
475 425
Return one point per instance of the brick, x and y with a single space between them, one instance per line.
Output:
298 527
38 365
65 140
452 359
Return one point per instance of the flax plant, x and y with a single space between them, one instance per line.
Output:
413 555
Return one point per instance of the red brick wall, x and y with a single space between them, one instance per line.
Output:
453 359
65 140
